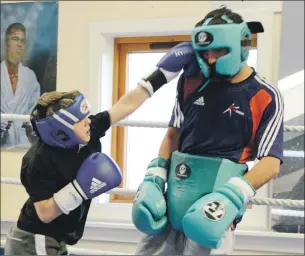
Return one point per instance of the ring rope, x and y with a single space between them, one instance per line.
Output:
293 153
278 202
132 192
135 123
288 213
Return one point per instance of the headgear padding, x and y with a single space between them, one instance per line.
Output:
229 36
58 130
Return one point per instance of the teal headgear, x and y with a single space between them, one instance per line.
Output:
236 38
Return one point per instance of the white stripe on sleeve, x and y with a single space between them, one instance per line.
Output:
274 124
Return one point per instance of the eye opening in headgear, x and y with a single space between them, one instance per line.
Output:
245 42
213 53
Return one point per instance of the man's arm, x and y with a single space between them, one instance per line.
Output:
170 142
269 143
264 171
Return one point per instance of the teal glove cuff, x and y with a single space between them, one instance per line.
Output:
157 172
159 162
245 186
250 185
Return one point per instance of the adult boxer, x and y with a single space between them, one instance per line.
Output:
224 116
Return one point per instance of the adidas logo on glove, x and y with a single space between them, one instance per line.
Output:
96 185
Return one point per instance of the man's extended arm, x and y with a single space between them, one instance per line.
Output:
264 171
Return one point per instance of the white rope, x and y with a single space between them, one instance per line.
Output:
278 202
132 192
149 124
293 128
14 117
293 153
133 123
82 251
116 191
290 213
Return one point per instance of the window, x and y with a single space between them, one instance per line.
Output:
134 147
151 110
289 184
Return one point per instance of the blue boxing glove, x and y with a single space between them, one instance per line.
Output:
97 175
180 57
149 206
210 217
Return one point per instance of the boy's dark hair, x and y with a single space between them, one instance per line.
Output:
216 15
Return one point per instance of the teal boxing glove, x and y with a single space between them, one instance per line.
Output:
149 206
210 217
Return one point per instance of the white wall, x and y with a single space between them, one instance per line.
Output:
292 38
292 89
291 58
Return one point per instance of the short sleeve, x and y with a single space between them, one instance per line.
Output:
177 114
100 123
269 136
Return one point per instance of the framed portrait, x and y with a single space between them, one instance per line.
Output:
28 64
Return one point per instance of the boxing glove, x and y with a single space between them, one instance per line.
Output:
31 135
179 57
5 126
97 175
149 206
210 217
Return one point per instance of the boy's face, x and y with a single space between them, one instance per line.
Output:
82 129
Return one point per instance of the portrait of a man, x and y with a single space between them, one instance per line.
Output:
28 64
20 89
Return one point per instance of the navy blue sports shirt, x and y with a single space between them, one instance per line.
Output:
239 122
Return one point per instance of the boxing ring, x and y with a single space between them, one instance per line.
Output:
297 206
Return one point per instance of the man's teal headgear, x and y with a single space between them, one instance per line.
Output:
236 38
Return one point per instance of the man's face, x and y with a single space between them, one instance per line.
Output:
211 56
15 46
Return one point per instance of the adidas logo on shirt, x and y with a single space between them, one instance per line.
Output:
96 185
199 101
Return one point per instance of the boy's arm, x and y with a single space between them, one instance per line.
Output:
180 57
128 103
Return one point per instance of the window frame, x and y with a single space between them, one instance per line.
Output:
122 47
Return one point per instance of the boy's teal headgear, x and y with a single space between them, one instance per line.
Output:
234 37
